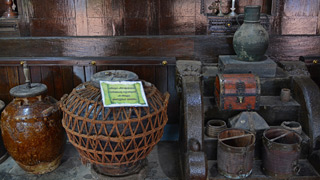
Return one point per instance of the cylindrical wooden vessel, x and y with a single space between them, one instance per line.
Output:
237 91
235 153
281 150
3 151
214 127
115 140
31 129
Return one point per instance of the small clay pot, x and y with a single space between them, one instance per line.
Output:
214 127
285 95
292 125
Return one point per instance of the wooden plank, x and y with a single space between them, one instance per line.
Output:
67 75
153 17
146 73
4 88
85 61
13 76
301 8
81 17
52 9
35 74
135 9
299 25
173 106
201 21
22 79
102 68
47 79
25 12
184 8
53 27
78 75
292 47
318 27
166 8
89 71
96 8
161 79
100 26
135 26
204 48
58 82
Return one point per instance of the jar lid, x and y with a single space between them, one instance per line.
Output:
113 75
26 91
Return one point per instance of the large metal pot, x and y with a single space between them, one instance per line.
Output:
281 150
235 153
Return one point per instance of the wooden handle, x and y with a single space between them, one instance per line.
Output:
26 72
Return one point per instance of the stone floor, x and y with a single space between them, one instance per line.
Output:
163 164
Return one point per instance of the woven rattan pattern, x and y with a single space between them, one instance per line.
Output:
113 136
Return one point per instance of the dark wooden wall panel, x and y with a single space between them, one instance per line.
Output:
52 18
204 48
299 17
62 76
13 76
2 8
110 17
53 27
4 94
35 74
47 79
150 17
58 81
67 75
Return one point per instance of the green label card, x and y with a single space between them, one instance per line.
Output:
123 93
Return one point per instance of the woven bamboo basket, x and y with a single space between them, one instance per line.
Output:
116 138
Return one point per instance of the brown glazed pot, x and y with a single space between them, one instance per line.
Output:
3 151
31 129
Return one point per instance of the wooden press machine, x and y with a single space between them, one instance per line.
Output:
201 100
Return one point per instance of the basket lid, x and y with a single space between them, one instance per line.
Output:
113 75
24 90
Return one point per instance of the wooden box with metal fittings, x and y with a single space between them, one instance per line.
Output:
237 91
31 128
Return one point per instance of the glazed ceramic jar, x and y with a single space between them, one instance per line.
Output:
251 40
3 152
31 129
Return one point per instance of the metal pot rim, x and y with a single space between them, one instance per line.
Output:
282 128
251 145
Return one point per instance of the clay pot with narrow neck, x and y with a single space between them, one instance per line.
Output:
31 129
250 42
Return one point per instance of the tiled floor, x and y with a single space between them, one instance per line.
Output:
163 164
